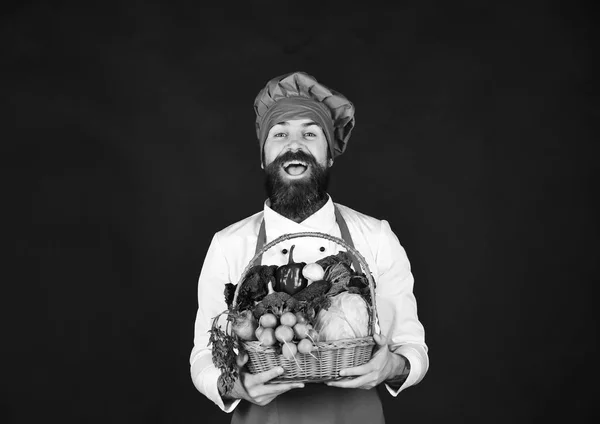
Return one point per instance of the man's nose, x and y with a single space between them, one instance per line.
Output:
295 143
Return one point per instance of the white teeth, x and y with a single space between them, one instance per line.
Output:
294 162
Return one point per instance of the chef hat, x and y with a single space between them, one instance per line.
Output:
299 95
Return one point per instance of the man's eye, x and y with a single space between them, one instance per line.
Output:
309 134
279 134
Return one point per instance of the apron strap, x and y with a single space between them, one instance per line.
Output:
345 232
260 242
346 236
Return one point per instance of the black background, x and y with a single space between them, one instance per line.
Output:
129 136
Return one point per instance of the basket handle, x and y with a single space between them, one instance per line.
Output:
337 240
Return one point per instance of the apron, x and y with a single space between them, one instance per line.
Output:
316 402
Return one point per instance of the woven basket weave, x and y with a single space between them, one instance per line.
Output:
329 357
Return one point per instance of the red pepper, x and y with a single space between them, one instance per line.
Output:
289 278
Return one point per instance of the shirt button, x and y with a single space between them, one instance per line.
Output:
322 249
284 251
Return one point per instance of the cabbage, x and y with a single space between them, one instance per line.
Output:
346 318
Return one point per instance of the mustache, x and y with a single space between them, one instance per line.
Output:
297 155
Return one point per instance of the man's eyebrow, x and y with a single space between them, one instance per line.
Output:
306 124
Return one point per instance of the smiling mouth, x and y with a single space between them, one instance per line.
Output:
295 168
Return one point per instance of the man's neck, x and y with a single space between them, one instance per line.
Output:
299 215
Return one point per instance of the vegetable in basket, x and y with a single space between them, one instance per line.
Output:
313 272
289 278
275 302
339 276
244 325
341 256
309 301
254 287
346 318
317 288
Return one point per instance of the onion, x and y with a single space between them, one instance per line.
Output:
244 326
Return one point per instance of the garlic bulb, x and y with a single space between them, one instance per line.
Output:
313 272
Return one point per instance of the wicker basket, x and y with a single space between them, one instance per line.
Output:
329 357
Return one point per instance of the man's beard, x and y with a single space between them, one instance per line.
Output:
296 199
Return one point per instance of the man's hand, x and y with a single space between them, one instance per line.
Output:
383 365
252 387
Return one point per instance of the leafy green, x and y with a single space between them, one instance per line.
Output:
223 353
339 276
255 285
229 293
342 256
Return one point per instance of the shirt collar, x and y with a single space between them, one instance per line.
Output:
321 221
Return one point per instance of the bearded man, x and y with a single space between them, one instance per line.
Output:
302 126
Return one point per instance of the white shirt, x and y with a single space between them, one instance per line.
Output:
232 248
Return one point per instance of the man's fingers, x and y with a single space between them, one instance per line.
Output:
265 376
265 393
360 370
381 340
350 383
262 389
280 388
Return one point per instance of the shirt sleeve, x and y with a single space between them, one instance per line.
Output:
397 307
211 302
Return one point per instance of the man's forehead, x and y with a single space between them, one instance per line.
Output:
302 122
